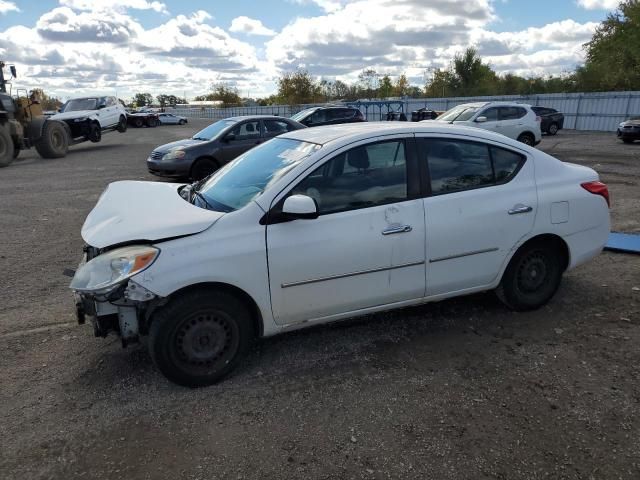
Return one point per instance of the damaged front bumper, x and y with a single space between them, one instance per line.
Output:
124 309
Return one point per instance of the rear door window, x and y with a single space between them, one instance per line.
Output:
511 113
457 165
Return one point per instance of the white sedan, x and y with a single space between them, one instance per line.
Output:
327 223
171 119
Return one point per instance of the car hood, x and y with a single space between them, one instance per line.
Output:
130 211
635 123
187 142
74 114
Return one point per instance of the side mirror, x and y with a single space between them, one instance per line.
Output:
229 137
300 206
481 119
14 74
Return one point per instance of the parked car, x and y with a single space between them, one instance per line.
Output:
513 120
423 114
141 119
629 130
327 223
171 119
331 115
216 145
551 119
88 117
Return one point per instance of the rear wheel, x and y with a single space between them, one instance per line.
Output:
199 337
122 124
138 122
7 149
532 276
203 167
553 129
527 139
54 141
182 122
152 122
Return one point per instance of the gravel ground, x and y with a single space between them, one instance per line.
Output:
461 389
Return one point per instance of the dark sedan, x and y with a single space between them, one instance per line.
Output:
551 120
216 145
629 130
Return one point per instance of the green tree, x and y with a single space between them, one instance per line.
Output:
368 82
142 99
613 54
385 89
297 88
401 87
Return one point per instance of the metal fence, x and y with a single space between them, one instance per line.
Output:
601 111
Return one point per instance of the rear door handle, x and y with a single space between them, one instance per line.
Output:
520 209
397 229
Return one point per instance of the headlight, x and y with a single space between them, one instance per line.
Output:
174 155
101 274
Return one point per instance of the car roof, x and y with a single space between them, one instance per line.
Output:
256 117
493 104
352 132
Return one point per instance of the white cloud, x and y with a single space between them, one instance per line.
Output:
250 26
87 46
599 4
117 5
6 7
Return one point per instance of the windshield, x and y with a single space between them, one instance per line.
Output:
213 130
458 114
300 115
239 182
78 104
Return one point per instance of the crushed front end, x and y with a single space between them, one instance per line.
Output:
105 291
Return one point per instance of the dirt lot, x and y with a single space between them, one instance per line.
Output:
462 389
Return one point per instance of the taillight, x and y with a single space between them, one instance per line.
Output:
597 188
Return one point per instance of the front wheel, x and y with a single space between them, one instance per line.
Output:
527 139
532 276
182 122
54 142
199 337
122 124
202 168
7 148
553 129
95 133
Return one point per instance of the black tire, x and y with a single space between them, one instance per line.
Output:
16 152
54 141
95 133
200 336
122 124
553 129
7 148
627 140
527 139
203 167
138 123
182 122
152 122
532 276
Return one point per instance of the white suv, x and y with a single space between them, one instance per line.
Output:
88 117
514 120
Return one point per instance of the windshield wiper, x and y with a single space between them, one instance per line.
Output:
202 198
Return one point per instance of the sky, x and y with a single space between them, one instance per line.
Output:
181 47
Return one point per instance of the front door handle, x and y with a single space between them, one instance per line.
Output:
397 229
520 209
